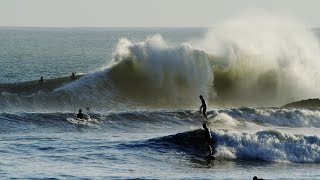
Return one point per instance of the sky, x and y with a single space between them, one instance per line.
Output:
148 13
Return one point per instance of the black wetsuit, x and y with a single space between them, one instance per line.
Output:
80 116
204 107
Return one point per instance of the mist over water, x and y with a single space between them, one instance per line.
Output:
263 60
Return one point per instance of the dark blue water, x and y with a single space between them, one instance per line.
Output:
138 127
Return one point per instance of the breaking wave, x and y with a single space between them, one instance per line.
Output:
243 62
271 146
268 146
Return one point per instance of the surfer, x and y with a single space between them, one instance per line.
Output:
73 76
203 106
208 138
80 115
41 80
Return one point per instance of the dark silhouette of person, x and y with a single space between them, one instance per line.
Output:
255 178
80 115
41 80
208 138
73 76
203 106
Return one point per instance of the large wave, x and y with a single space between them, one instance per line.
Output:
148 73
154 71
242 62
246 62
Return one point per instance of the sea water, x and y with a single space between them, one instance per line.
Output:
141 86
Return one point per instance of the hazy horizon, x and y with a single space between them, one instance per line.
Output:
145 13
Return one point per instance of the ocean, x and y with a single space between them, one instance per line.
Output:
141 87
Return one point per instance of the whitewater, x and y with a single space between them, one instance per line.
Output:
141 88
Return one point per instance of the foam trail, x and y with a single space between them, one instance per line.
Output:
278 117
268 145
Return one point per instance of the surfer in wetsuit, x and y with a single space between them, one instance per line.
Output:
208 138
203 106
80 115
73 76
41 80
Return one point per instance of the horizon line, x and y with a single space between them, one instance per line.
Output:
114 27
106 26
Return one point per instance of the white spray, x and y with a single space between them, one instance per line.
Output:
270 51
181 72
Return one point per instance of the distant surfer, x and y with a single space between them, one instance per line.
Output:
208 138
73 76
41 80
80 115
203 106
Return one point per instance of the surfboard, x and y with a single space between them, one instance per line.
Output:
77 121
87 121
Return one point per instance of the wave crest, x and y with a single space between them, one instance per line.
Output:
153 69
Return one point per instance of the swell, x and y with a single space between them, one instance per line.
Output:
234 138
32 87
111 121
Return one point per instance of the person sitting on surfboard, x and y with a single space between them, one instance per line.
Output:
80 115
203 106
41 80
208 138
73 76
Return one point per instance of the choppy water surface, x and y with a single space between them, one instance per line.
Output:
141 87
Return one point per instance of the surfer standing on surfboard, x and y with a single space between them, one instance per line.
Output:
203 106
208 138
